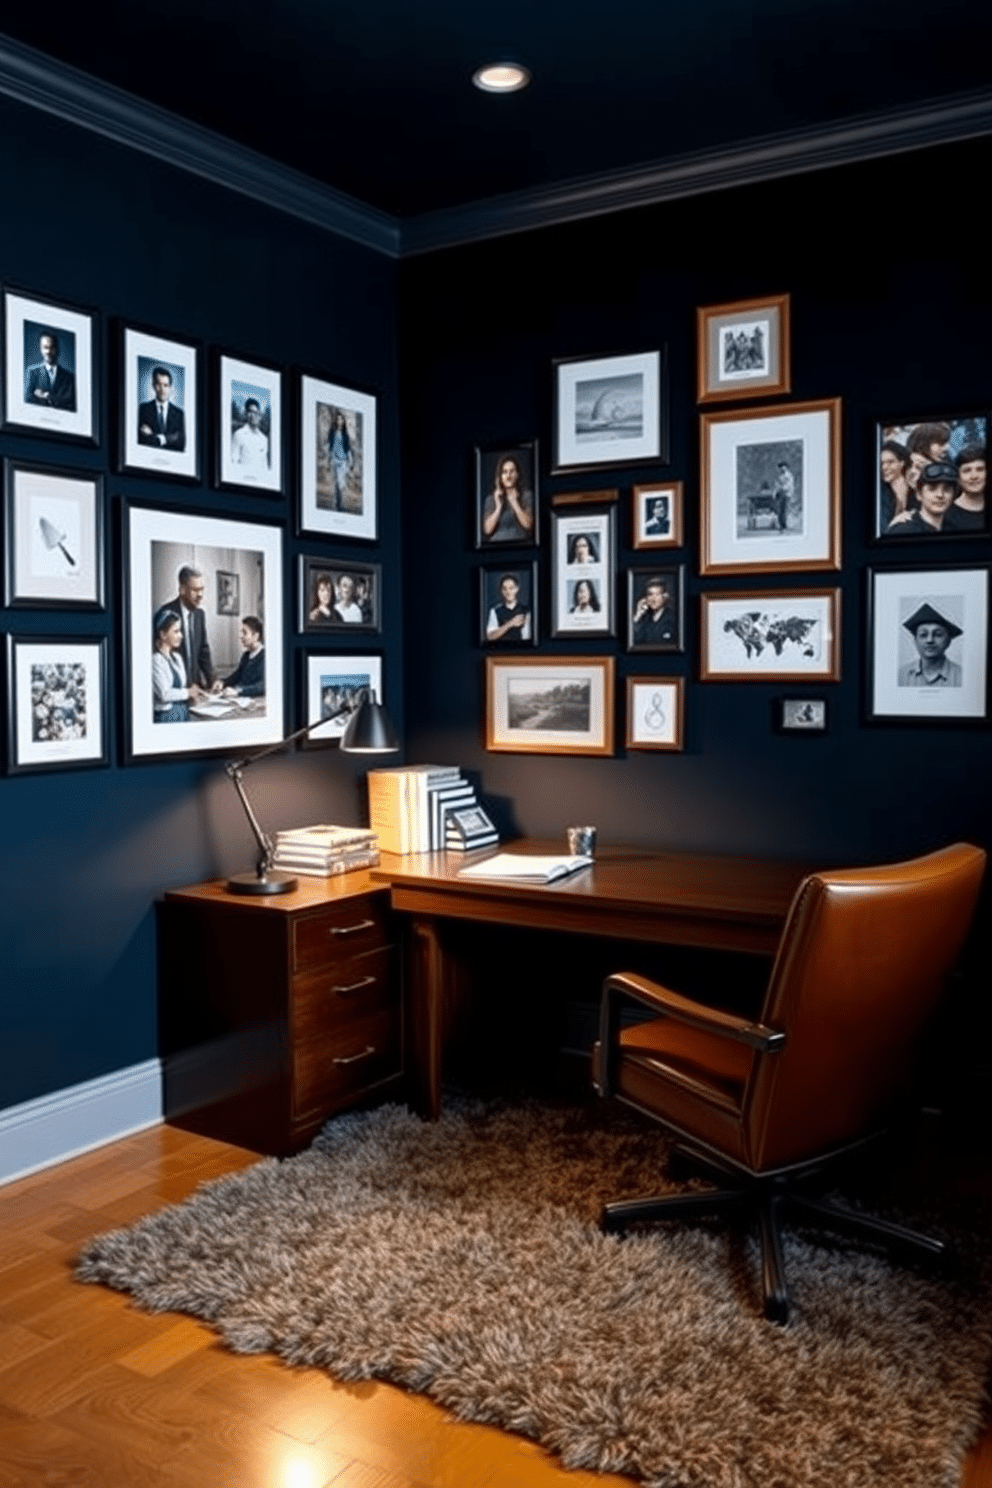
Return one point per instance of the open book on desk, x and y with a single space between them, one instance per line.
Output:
521 868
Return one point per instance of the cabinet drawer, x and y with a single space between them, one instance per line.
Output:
354 987
347 1060
339 930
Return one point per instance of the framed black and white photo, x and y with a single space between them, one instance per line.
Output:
800 715
508 605
656 518
203 633
250 450
506 512
337 596
742 349
338 443
50 376
333 682
583 548
54 527
771 489
610 410
159 428
771 635
655 605
655 712
549 704
932 477
928 633
57 716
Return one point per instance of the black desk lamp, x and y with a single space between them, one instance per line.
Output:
369 731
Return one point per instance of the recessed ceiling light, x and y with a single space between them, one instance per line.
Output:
501 77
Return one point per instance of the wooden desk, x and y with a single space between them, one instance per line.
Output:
734 904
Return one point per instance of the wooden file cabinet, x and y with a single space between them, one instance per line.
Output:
275 1013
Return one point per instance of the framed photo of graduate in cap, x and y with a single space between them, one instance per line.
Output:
932 477
928 644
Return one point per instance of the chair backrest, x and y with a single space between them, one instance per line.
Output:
862 963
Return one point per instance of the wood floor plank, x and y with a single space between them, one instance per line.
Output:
177 1342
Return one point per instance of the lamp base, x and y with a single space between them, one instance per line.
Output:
272 883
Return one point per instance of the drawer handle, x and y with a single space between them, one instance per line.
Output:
352 929
346 991
354 1058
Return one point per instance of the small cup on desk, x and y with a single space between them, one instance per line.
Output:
581 841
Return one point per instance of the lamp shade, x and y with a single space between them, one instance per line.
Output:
369 730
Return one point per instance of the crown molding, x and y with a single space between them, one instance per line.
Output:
32 78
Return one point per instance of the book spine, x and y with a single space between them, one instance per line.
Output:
329 870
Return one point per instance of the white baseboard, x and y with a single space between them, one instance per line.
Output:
68 1122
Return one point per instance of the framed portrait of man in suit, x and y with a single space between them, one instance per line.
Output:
49 381
159 405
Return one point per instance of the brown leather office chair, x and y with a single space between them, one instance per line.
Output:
860 967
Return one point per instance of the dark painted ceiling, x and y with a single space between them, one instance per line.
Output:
376 98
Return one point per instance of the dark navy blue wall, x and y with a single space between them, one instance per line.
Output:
83 854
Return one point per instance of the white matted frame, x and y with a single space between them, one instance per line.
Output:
655 713
250 449
771 489
610 410
743 349
64 400
549 705
159 435
333 682
54 526
56 703
583 566
771 635
918 675
338 444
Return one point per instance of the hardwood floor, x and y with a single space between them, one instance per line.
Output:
95 1394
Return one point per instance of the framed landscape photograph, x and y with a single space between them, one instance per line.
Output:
655 607
655 712
508 605
203 634
338 444
801 716
336 596
54 528
583 557
742 349
549 705
334 682
932 477
771 489
506 511
56 703
50 383
656 519
771 635
250 451
610 410
159 431
928 636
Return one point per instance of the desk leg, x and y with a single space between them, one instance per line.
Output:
427 976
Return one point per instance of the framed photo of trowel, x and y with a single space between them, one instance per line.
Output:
54 528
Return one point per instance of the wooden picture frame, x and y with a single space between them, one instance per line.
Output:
549 705
656 515
656 713
771 635
743 350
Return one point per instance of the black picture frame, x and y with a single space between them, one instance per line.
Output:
337 499
800 717
330 680
162 441
493 606
70 408
904 446
349 586
490 461
52 696
583 571
928 619
644 585
54 526
242 462
592 434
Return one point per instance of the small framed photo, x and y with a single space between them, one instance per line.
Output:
338 472
771 635
336 596
56 703
928 632
801 715
250 450
583 548
655 712
932 477
657 515
549 705
506 512
655 607
771 489
743 349
335 682
159 430
508 605
54 526
610 411
50 381
203 635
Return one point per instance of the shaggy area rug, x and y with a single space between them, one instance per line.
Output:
462 1259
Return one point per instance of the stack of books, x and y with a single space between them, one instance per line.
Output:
322 851
415 809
